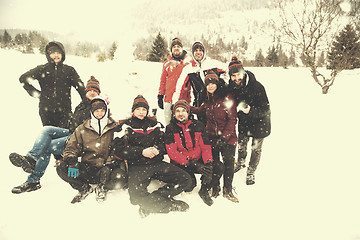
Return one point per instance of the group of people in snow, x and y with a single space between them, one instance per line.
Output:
94 152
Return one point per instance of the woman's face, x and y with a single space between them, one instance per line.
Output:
99 113
211 87
140 112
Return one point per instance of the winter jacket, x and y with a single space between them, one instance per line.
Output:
136 135
91 141
187 141
55 83
81 113
221 117
257 123
172 71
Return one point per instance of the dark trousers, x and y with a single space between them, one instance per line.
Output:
256 148
228 156
55 118
218 169
159 201
110 178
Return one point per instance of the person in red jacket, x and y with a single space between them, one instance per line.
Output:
220 112
188 147
172 70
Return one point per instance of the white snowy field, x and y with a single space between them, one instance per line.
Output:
307 183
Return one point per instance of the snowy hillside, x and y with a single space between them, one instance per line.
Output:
307 183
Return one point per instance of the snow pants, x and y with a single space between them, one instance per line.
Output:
256 148
159 201
228 157
51 140
218 169
111 178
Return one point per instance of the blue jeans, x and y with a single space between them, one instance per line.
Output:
51 140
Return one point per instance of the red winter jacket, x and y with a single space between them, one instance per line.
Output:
221 118
187 141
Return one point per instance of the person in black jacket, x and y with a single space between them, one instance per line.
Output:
253 115
55 80
189 148
142 145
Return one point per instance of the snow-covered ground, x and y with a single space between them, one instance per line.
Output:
307 183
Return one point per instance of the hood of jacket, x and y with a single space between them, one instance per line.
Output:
54 43
99 124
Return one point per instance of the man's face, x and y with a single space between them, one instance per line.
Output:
237 77
91 94
198 54
99 113
181 114
56 56
176 50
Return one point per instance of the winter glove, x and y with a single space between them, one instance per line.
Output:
220 143
204 169
73 171
161 101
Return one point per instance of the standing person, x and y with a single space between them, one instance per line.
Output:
194 81
51 140
189 148
221 120
55 79
172 70
253 114
91 141
143 147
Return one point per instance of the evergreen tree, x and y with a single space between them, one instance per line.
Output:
159 50
112 51
6 39
272 58
345 50
259 59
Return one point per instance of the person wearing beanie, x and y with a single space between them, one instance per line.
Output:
188 147
195 80
220 110
141 143
91 141
55 80
51 140
174 68
253 116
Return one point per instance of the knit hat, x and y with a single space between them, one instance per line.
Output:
93 84
211 77
54 48
140 101
182 103
98 103
235 66
176 41
197 45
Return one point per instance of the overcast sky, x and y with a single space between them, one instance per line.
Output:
68 16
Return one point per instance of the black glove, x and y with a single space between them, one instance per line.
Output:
204 169
220 143
160 101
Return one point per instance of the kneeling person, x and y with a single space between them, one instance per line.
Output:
188 147
91 141
143 147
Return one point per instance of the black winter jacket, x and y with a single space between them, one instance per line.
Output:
135 136
55 83
257 123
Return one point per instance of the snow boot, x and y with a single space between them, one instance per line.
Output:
82 195
250 179
25 162
205 196
26 187
100 193
178 206
227 193
215 191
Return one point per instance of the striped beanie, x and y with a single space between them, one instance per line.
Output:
182 103
235 66
140 101
93 84
211 77
197 45
176 41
